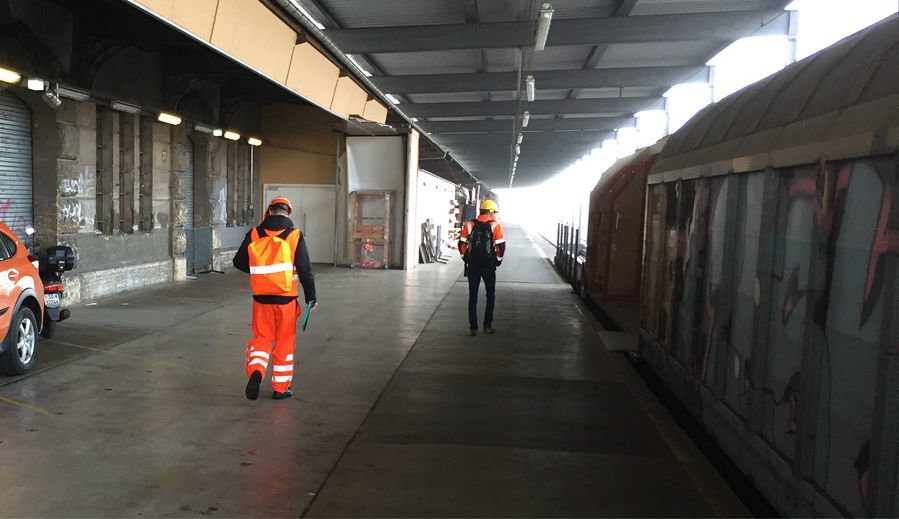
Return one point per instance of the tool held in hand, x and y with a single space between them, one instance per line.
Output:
306 313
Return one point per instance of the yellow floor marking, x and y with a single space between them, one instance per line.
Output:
24 405
144 359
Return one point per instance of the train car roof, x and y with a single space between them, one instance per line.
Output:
634 158
842 102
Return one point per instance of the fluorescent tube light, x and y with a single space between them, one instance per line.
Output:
308 16
174 120
392 98
520 137
8 76
253 141
36 84
530 87
232 136
75 94
203 129
362 69
525 118
125 107
544 17
218 132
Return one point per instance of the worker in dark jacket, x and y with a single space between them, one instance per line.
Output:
277 260
482 245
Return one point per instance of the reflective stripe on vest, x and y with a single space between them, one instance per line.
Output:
272 271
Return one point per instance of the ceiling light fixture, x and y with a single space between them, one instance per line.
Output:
525 118
544 17
318 25
232 136
392 98
530 87
125 107
75 94
36 84
218 132
8 76
203 129
174 120
520 137
253 141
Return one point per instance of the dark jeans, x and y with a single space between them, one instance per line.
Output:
474 281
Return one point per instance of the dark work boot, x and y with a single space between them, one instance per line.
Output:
472 331
252 390
489 329
277 395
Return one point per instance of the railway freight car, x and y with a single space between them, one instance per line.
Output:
614 235
770 299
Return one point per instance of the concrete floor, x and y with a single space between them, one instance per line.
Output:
136 409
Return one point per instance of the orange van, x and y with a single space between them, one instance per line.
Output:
21 304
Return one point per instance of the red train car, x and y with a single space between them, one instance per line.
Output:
615 229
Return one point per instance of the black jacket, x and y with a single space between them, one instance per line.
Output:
280 223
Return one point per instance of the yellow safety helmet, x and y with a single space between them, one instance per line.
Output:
489 205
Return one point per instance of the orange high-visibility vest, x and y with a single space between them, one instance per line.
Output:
272 270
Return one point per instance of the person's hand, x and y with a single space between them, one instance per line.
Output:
314 304
499 262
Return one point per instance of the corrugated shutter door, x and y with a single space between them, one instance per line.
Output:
189 185
16 200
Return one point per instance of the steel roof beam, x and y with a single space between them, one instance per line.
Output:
494 139
587 31
546 79
616 106
505 125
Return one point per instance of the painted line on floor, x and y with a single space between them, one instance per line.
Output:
25 406
143 359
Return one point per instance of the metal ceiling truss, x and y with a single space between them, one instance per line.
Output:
587 58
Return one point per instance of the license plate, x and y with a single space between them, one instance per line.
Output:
52 300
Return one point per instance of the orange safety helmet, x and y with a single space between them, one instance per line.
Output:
279 200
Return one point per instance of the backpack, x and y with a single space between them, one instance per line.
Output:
481 249
271 262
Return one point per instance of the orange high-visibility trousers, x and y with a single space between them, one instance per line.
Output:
273 325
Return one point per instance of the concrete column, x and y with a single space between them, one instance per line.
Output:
76 165
180 157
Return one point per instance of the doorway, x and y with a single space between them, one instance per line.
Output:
313 213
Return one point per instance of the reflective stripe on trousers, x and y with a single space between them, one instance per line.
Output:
274 340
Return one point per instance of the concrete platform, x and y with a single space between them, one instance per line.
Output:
137 409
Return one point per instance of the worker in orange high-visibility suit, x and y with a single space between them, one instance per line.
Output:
482 246
276 257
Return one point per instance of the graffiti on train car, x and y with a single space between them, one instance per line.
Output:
785 269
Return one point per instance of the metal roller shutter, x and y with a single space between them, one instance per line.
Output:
15 164
189 185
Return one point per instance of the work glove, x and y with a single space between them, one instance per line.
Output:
499 262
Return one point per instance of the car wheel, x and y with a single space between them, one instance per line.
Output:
21 343
49 329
